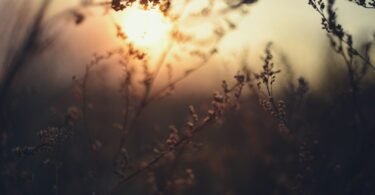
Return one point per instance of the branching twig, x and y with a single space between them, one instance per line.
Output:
364 4
333 28
211 117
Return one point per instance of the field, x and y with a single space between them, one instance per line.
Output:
187 97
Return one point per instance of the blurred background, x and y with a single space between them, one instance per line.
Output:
85 69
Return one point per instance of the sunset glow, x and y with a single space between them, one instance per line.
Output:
187 97
144 27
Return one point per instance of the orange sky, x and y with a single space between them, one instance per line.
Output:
292 25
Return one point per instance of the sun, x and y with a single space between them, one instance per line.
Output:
144 27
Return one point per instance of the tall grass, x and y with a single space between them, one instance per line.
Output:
247 138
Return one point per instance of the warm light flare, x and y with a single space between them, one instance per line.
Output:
144 27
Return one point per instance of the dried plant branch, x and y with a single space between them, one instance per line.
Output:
148 98
148 84
266 78
160 92
127 93
342 43
336 30
220 105
363 3
84 88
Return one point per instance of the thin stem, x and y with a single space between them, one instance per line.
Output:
364 5
144 101
181 142
160 156
162 90
84 105
345 41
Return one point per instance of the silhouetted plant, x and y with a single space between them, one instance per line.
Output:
133 139
366 4
342 43
265 80
221 102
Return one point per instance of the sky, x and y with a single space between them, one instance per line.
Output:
292 25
